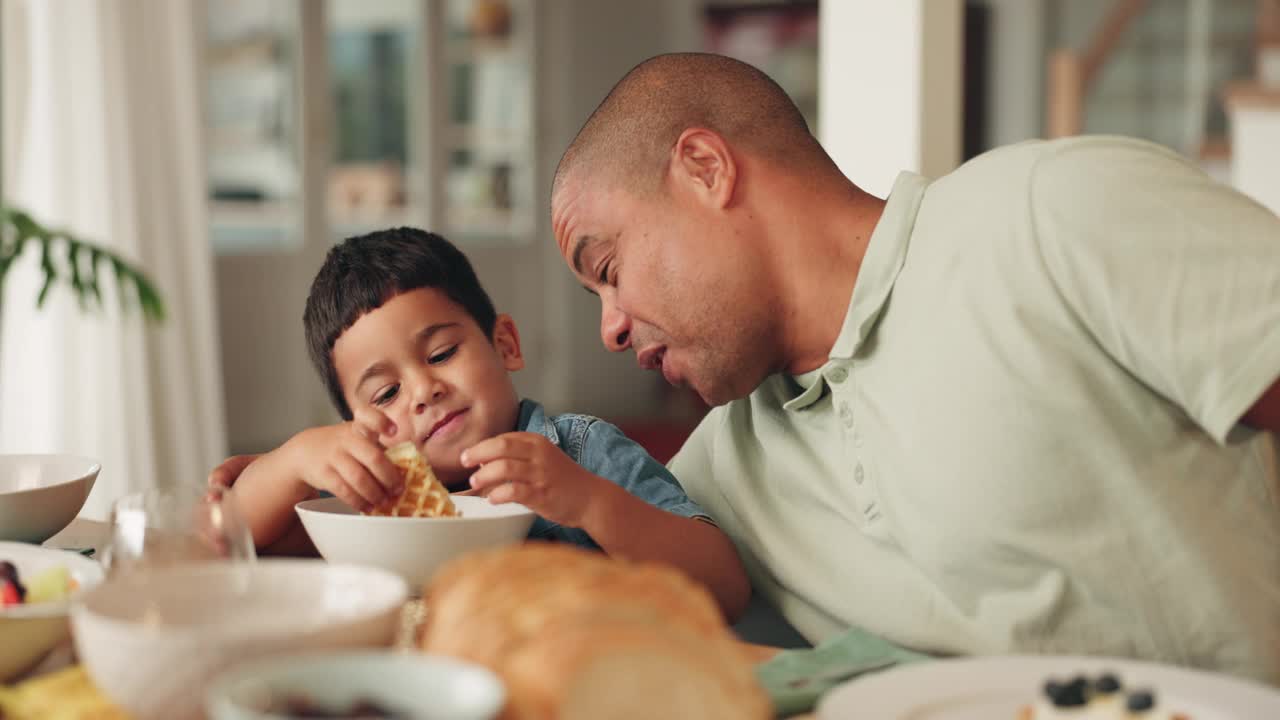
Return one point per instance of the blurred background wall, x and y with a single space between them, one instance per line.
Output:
327 118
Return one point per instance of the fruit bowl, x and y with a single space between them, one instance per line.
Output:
30 630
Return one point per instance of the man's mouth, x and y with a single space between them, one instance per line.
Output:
651 358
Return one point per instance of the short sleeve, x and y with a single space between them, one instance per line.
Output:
609 453
1176 276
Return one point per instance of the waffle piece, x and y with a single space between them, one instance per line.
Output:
424 495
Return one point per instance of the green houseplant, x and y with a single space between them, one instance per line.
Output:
77 262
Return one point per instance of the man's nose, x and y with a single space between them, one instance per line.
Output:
615 327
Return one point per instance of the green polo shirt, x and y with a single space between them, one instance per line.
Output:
1025 437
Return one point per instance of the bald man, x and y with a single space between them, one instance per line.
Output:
1026 407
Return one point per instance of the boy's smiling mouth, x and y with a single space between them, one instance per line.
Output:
447 424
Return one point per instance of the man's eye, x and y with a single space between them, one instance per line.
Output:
442 356
604 274
387 395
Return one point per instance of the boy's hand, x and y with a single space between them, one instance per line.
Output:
224 476
527 468
347 460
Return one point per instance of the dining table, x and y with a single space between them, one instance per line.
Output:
86 534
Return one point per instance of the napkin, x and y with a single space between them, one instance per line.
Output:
795 679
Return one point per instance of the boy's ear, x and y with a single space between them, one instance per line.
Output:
506 340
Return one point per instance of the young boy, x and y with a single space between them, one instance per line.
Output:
411 349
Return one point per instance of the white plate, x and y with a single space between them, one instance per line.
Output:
994 688
419 686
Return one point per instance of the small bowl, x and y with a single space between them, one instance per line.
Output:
29 632
412 547
417 686
152 640
41 494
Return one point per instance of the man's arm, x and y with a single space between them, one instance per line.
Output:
1265 414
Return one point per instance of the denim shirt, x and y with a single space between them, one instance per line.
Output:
602 449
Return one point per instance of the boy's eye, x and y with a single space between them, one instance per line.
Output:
442 356
387 395
604 274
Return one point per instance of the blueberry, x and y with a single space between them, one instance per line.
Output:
1140 700
1106 684
1072 694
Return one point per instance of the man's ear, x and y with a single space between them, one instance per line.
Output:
506 340
703 162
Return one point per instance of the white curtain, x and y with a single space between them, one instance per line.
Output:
102 137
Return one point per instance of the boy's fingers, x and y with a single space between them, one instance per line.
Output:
374 459
343 492
358 478
225 474
496 473
373 424
507 492
510 445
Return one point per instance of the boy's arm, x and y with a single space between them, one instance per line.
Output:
266 492
345 460
527 468
623 525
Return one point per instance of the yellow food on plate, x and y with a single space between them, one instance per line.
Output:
67 694
424 495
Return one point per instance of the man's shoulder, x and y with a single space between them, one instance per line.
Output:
1086 155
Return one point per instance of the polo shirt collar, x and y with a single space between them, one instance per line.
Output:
886 251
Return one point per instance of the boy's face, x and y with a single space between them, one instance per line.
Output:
422 361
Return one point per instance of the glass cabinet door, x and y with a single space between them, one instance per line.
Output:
372 49
425 116
252 121
486 138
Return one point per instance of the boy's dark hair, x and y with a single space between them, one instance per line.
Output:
365 271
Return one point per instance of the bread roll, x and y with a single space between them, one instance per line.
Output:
575 634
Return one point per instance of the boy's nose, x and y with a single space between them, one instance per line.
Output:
426 394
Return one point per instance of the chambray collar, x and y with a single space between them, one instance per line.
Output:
533 418
886 252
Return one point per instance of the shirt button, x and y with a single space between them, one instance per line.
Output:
858 474
846 415
839 375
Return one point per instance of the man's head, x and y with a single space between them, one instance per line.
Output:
660 206
397 322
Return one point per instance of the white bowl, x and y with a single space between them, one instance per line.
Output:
41 494
153 639
29 632
413 547
422 687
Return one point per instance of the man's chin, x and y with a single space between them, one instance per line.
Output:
715 396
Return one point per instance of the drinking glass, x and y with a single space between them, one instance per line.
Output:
178 525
